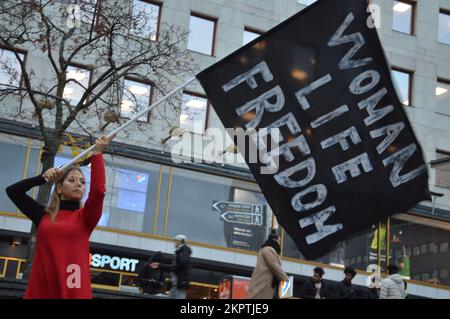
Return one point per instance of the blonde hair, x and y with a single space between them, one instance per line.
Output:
54 202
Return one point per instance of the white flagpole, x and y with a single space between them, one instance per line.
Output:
175 90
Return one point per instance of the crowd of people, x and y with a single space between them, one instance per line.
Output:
268 274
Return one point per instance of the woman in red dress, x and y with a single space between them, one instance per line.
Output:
61 264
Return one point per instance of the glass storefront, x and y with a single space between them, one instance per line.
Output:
159 200
218 211
421 251
12 260
154 199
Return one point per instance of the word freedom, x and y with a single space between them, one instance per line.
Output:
273 101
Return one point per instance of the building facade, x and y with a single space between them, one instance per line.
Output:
151 197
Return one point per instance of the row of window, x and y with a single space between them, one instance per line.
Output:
404 12
423 249
147 14
416 251
202 29
442 274
137 95
357 260
158 200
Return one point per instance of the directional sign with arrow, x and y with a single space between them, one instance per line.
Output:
242 213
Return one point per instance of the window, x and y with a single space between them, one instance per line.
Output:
443 96
105 278
249 36
199 199
443 171
130 190
88 10
104 219
136 97
193 113
78 78
433 248
146 16
10 70
130 198
201 35
130 202
443 247
416 250
444 27
443 273
306 2
423 249
403 20
403 83
425 276
13 162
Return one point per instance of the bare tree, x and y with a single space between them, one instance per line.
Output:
114 38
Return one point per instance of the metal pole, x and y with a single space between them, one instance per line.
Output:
132 120
379 246
388 241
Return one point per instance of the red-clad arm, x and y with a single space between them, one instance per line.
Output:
92 210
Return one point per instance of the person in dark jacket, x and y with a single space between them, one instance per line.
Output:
345 289
151 276
315 287
182 267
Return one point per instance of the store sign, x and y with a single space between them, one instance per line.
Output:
114 263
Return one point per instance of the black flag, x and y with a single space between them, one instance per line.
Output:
346 156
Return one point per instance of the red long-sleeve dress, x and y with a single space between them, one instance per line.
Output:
62 247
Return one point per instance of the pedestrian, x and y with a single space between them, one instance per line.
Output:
393 287
345 289
61 264
182 267
315 287
151 276
268 272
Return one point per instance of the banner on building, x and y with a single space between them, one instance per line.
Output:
318 86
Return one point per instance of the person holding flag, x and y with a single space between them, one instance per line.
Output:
61 265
